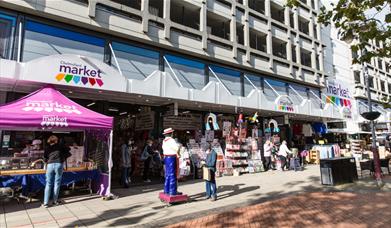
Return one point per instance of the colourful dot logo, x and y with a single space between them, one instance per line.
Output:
339 101
286 108
78 74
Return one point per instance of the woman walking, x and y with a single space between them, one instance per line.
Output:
55 155
283 154
267 153
210 163
147 157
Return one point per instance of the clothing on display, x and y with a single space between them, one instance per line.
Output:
307 130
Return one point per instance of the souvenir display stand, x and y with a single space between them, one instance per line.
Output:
47 110
238 151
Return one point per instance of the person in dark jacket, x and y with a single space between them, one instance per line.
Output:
54 156
148 158
210 163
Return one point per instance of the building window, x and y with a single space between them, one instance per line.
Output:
251 80
277 12
294 54
274 85
383 86
291 20
218 25
230 79
354 54
44 40
389 87
190 73
305 57
156 8
357 77
317 62
185 14
380 64
279 48
371 82
135 62
304 25
315 32
297 93
135 4
257 40
240 33
7 29
257 5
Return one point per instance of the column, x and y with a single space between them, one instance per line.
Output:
286 17
203 25
296 18
247 33
233 30
267 8
166 17
145 15
311 27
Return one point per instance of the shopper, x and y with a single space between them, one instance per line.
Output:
210 163
283 154
126 163
147 158
55 155
267 153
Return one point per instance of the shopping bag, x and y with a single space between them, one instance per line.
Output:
206 174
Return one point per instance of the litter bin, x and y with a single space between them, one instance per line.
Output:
335 171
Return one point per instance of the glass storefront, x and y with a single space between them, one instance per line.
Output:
230 78
7 31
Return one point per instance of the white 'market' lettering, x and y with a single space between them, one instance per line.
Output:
48 106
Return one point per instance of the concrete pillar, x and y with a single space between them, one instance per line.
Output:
233 37
289 49
267 8
247 34
203 25
166 17
321 59
311 26
286 17
296 18
313 56
92 8
145 14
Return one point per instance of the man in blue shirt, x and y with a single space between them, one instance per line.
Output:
210 163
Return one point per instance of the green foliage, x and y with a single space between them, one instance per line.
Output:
349 17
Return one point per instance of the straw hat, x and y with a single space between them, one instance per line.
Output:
168 131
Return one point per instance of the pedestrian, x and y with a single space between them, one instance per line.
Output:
267 153
132 151
147 158
126 163
55 155
210 164
283 154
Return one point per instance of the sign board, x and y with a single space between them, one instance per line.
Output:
183 122
338 93
74 70
284 104
145 121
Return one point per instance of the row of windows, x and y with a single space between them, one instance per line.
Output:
135 62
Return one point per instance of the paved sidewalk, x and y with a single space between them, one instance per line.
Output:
338 209
140 206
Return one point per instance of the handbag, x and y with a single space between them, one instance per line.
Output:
144 155
206 173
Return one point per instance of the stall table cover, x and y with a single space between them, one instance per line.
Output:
48 108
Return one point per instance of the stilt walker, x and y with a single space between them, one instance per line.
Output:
170 152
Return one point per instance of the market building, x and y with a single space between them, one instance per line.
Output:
158 64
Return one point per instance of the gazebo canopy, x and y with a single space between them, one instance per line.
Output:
47 108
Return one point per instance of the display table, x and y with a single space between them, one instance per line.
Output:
34 180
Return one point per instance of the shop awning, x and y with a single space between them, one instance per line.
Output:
47 108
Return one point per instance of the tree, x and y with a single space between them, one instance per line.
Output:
352 20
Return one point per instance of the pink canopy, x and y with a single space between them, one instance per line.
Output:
47 108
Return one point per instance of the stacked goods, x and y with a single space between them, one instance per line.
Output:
237 150
196 153
184 162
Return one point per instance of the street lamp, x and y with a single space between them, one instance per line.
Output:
372 116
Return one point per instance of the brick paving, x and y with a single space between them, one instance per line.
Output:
321 209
